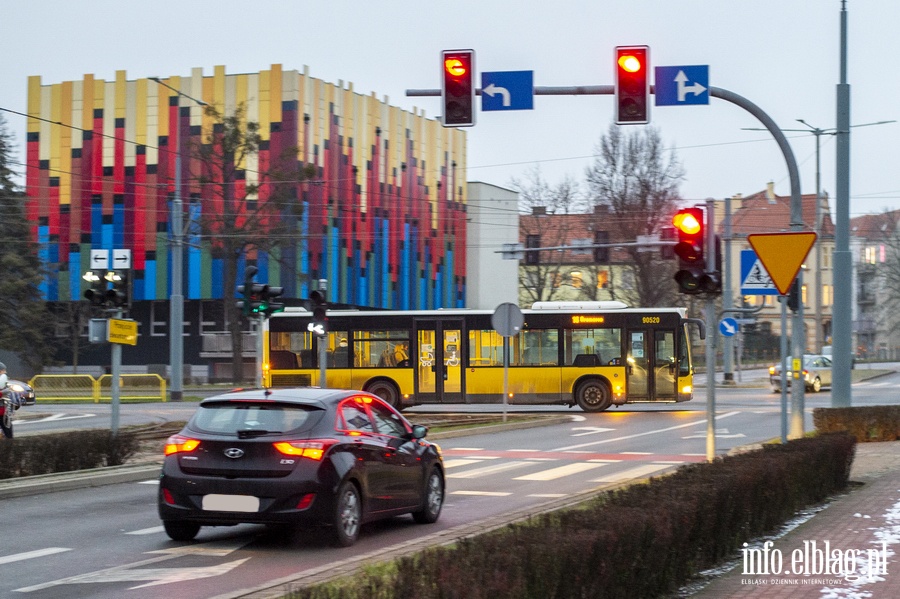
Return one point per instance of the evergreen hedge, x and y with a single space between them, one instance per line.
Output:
64 452
644 540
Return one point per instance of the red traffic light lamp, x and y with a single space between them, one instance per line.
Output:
632 85
691 230
458 88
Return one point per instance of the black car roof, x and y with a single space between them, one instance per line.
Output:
310 396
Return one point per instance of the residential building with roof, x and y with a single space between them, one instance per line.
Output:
876 260
766 212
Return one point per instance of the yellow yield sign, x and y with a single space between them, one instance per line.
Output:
122 331
782 255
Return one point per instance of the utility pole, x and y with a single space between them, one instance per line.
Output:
176 300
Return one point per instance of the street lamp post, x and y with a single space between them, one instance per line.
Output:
176 300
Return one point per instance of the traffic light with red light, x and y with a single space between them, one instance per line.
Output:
632 85
458 87
691 232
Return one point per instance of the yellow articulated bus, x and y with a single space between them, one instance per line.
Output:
589 354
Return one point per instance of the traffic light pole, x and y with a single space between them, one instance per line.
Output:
115 372
710 341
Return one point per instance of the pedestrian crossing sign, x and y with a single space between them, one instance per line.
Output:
755 279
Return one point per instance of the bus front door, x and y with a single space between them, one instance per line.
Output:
438 357
651 367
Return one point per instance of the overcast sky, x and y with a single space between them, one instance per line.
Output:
782 55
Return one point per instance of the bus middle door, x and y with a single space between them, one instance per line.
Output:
651 367
439 361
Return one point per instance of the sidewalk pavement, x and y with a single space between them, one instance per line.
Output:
859 526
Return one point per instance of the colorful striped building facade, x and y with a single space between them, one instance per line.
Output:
383 217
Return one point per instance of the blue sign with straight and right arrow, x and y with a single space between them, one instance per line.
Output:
507 90
682 86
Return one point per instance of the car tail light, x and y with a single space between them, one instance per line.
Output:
180 444
314 449
167 497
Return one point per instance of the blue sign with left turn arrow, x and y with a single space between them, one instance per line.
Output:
507 90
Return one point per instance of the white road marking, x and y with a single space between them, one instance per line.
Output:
481 493
17 557
54 418
146 531
636 472
460 462
653 432
137 572
554 473
486 470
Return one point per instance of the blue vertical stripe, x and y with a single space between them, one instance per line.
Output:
75 275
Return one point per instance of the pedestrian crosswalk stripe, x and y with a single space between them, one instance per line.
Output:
559 472
636 472
460 462
492 469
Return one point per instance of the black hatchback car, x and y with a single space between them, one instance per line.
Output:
298 457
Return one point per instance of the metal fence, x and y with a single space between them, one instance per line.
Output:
84 387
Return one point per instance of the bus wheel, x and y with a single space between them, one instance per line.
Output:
593 396
387 391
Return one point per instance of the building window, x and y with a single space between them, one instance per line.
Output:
827 295
603 279
577 281
870 254
532 241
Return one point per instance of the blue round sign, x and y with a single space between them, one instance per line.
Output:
728 327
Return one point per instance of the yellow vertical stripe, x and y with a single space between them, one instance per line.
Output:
65 144
275 93
34 103
264 110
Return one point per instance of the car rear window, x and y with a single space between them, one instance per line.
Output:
232 417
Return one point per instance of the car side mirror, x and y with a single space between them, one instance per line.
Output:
419 431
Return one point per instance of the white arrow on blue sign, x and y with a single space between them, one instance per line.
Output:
681 86
507 90
728 326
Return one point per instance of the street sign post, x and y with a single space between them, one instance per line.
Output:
507 320
507 90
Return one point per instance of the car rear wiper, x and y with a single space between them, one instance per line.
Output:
255 432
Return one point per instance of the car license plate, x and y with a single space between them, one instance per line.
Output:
230 503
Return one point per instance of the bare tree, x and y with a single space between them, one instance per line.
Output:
244 203
543 272
636 178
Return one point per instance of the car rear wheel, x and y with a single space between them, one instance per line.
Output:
347 515
593 396
179 530
433 500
